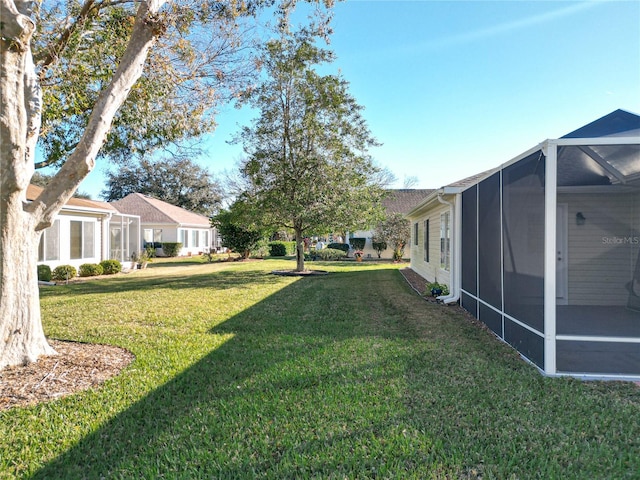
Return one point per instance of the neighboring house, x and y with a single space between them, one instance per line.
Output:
397 201
545 249
86 231
162 222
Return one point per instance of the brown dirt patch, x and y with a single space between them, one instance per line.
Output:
78 366
417 282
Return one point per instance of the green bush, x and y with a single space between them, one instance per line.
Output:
90 270
261 249
358 243
280 249
44 273
331 254
379 247
434 287
64 272
339 246
171 249
110 267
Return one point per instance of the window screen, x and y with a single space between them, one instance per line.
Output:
523 240
489 238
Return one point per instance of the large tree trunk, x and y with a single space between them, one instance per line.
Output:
299 251
22 337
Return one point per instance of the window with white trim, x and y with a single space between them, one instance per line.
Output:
82 239
49 247
445 242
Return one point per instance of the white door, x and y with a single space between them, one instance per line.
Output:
562 264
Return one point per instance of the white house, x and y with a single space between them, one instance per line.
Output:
86 231
545 249
162 222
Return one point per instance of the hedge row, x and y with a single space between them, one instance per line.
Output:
281 249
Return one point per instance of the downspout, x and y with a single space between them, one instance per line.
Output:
455 215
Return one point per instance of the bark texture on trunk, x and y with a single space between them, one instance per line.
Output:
22 338
299 251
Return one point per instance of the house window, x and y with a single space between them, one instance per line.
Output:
426 241
194 238
82 239
205 238
184 238
152 235
445 243
49 248
415 233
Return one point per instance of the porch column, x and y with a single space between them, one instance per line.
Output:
550 150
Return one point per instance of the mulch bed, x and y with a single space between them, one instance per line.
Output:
78 366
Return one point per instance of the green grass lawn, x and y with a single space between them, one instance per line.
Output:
242 374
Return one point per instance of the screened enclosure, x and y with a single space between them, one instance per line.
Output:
550 251
124 237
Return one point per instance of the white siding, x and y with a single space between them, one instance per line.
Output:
430 270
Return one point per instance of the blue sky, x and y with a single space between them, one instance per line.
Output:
452 88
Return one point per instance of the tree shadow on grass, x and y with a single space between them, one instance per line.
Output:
309 384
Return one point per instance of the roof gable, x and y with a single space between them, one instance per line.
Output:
404 200
616 124
152 210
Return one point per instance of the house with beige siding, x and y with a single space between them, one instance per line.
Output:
162 222
396 201
545 249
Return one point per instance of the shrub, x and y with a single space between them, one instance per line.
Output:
280 249
339 246
379 247
110 267
331 254
436 289
358 243
44 273
171 249
90 270
261 249
64 272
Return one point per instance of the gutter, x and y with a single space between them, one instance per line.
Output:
455 213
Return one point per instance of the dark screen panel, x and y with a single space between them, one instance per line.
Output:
526 342
470 304
598 357
470 240
489 236
490 318
523 239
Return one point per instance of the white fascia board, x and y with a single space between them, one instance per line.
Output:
424 204
76 209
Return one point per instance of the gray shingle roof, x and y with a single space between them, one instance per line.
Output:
404 200
152 210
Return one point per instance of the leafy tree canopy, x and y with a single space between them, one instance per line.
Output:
307 165
237 231
202 59
395 230
179 181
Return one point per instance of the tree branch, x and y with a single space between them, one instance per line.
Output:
149 24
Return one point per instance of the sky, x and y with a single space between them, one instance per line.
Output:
451 88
